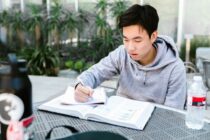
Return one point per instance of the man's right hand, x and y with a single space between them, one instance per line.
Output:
82 93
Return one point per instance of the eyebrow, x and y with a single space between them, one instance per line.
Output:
137 37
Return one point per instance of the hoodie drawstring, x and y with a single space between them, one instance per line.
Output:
145 75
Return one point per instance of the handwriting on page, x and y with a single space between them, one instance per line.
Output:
124 114
119 112
99 97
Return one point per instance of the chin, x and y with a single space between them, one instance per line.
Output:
136 58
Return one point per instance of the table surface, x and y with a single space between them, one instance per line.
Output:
164 124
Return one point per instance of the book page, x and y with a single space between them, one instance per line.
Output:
122 111
56 106
98 97
119 109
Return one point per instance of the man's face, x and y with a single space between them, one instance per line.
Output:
137 42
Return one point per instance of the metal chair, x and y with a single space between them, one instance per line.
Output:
190 67
206 73
206 78
202 53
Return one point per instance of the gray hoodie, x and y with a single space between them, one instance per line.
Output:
163 81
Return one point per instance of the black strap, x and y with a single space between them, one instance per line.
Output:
70 128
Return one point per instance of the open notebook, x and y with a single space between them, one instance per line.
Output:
116 110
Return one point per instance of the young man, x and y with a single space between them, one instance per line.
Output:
148 65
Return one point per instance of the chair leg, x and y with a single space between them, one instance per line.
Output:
208 99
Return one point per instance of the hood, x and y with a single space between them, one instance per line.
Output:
167 53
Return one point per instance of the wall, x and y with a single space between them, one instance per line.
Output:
196 17
168 15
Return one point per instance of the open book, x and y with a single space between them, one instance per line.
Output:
117 110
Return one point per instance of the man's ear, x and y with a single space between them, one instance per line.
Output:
154 36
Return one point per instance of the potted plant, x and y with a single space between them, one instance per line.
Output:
44 61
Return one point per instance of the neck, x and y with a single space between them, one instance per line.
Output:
150 57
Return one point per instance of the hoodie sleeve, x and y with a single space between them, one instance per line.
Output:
176 93
103 70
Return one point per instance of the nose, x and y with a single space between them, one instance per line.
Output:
130 46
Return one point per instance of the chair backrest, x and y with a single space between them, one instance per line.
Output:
88 135
206 73
95 135
190 67
202 53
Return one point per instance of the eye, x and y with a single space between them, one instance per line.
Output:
137 40
125 40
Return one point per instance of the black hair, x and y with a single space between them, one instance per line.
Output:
146 16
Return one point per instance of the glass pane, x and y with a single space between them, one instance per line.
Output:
68 4
87 5
39 2
196 17
168 15
1 5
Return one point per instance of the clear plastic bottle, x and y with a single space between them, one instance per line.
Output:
196 104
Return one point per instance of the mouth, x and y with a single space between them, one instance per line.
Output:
133 54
